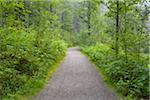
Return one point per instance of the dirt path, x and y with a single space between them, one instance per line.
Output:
76 79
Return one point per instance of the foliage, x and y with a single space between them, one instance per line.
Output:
130 79
122 28
29 46
113 33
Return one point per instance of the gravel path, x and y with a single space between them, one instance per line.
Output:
76 79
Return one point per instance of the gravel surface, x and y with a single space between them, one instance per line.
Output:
76 79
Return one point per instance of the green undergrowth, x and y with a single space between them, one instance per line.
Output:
27 61
33 87
101 72
129 80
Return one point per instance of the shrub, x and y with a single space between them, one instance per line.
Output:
131 78
21 60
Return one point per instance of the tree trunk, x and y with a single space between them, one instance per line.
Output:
89 18
124 38
117 29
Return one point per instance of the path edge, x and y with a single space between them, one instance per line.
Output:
103 76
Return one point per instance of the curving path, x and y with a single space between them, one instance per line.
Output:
76 79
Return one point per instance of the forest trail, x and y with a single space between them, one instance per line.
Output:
76 79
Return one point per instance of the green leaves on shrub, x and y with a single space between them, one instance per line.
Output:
129 78
21 60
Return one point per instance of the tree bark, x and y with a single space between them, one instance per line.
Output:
117 29
124 40
89 18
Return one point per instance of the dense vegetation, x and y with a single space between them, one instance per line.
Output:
34 36
130 79
30 44
119 46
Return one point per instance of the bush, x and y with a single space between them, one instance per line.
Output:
131 78
21 60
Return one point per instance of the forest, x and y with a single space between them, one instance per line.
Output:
35 35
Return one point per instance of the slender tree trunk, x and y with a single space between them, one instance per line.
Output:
62 22
117 29
125 43
140 34
89 18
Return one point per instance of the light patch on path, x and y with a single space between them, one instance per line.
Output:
76 79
